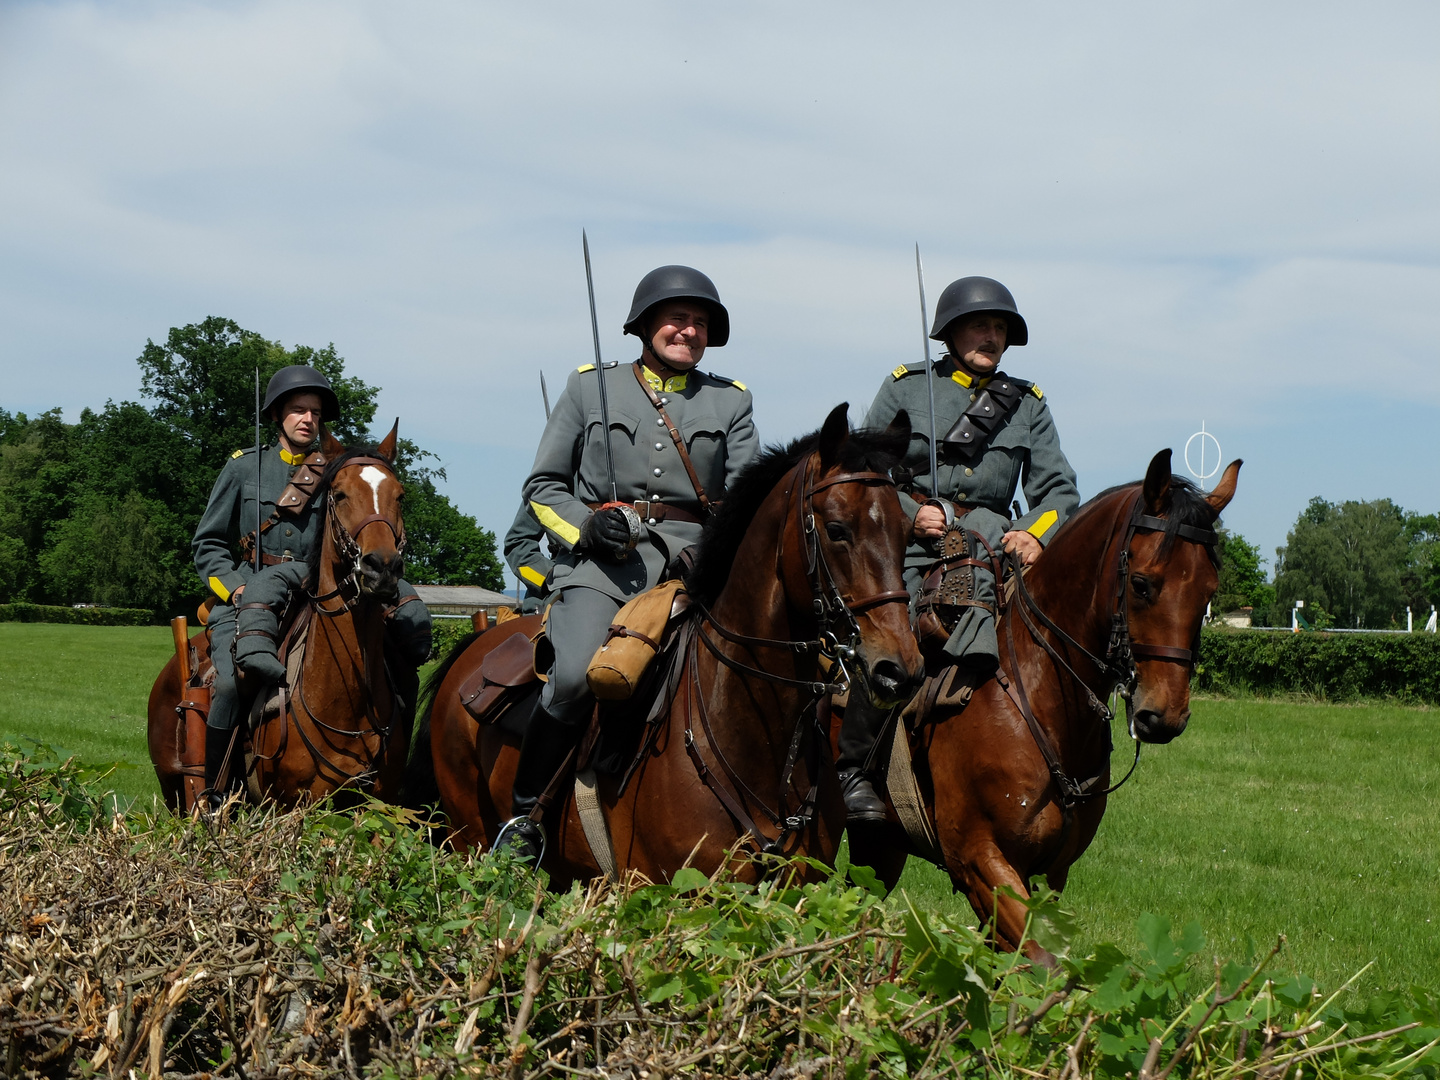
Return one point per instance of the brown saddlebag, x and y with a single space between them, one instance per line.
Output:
633 641
489 690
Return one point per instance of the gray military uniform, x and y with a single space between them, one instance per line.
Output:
714 417
230 514
1024 450
526 558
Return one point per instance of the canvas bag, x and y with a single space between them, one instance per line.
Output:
632 643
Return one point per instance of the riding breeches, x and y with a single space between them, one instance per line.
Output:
224 696
576 627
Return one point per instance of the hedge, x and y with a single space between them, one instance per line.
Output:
1332 667
89 616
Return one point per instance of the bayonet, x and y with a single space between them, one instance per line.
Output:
929 375
545 396
600 370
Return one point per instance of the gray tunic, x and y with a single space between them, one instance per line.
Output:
524 555
714 416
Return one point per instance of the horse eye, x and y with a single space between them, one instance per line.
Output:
340 496
837 532
1141 586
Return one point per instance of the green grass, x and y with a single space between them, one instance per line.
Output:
1321 822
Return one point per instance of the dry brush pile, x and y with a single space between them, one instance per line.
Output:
343 944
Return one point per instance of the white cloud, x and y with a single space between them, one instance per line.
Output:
1216 212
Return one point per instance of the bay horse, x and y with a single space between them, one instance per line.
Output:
801 563
340 723
1015 782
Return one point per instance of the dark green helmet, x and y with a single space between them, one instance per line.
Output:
298 377
978 296
677 283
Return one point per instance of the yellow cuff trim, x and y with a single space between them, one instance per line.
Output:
289 458
218 588
556 524
1043 524
533 576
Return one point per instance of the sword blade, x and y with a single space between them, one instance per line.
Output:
600 371
545 396
929 375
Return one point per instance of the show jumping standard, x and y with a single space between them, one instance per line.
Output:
798 577
1013 785
338 722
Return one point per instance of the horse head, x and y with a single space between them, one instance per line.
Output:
1171 577
859 530
365 523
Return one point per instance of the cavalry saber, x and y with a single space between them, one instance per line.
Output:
545 396
257 468
929 375
600 370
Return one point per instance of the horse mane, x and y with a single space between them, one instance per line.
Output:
866 450
1187 506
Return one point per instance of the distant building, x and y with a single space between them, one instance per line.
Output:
1240 618
462 601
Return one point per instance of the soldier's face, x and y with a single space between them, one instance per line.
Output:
979 342
300 420
679 333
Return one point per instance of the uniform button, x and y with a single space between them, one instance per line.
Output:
961 496
658 471
660 420
659 446
289 531
664 401
969 472
650 521
972 397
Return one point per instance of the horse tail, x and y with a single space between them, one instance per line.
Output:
421 789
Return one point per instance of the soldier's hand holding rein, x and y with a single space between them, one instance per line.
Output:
606 532
1022 545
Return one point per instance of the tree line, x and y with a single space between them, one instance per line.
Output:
1356 565
102 511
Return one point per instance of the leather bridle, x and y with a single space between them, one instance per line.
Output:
1117 667
347 544
837 637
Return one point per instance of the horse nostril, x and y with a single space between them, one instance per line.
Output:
383 565
888 675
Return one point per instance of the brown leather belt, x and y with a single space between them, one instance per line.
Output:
653 511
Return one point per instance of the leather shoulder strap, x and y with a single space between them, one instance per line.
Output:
990 407
675 437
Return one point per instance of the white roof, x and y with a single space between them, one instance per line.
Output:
463 595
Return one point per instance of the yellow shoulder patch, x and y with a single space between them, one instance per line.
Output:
237 453
1037 391
738 384
585 367
900 371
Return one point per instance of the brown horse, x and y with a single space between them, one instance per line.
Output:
339 722
802 563
1015 782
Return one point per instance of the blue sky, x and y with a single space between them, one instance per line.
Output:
1207 212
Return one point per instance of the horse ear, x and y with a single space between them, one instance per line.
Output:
833 434
329 445
387 448
1225 489
1157 483
900 427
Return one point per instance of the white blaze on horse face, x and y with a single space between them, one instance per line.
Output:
374 477
875 512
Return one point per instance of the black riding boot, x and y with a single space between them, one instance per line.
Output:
217 742
548 742
858 731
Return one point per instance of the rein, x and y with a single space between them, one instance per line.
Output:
1117 666
838 634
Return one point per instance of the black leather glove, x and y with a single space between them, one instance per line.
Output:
606 532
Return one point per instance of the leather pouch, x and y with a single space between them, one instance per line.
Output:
508 665
632 643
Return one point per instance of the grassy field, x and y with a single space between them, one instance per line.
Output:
1319 822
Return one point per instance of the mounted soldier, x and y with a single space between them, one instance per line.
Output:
621 506
997 433
286 502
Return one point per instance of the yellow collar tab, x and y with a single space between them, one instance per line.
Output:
289 458
965 379
672 385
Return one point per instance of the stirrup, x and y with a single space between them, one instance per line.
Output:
520 835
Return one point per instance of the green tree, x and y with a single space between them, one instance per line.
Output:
1242 576
1346 560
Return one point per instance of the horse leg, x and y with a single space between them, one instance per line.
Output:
983 869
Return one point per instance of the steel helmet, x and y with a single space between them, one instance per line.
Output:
975 296
673 283
298 377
